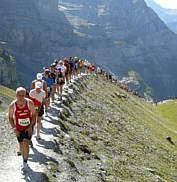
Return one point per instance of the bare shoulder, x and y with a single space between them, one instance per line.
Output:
12 103
31 91
30 101
33 81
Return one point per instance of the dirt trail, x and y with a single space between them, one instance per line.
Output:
44 151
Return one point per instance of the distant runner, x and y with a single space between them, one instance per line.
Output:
53 76
50 87
60 78
67 65
22 118
39 77
37 106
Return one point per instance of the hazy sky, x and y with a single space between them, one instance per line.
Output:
167 3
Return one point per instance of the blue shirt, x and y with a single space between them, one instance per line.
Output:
49 81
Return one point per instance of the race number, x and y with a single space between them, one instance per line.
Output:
24 122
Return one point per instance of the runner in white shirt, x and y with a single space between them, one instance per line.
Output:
40 95
60 78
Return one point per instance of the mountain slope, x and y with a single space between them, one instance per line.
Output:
102 134
127 36
169 16
110 138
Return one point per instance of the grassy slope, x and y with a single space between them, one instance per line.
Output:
168 111
8 94
126 135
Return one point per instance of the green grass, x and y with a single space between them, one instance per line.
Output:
7 92
168 111
128 132
3 107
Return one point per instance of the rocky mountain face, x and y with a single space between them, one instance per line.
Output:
36 33
120 35
8 75
127 36
169 16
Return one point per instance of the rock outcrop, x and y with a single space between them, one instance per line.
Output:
36 33
7 67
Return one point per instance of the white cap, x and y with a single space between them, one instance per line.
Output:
39 76
38 85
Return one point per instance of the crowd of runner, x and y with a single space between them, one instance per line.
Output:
26 111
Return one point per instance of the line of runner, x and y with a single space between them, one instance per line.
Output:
27 110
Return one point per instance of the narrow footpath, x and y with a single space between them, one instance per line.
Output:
42 156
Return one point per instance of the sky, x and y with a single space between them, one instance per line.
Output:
172 4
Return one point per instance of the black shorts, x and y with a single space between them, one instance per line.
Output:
23 135
61 82
41 112
49 94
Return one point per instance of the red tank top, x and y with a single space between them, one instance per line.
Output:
22 116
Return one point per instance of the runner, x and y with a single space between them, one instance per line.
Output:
76 66
53 76
71 68
60 78
49 81
85 66
37 106
39 77
92 69
22 118
43 70
99 71
67 65
81 64
40 95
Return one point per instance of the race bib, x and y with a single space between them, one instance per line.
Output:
24 122
48 89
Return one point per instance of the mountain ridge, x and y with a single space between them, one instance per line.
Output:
169 16
94 135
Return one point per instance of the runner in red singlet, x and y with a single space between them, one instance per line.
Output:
21 118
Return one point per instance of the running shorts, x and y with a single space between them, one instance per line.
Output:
41 112
23 135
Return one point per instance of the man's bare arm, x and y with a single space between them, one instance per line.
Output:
11 120
45 89
32 86
33 111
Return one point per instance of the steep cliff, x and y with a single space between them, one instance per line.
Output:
8 75
36 33
127 36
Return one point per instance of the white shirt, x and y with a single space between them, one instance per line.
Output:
39 96
63 68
